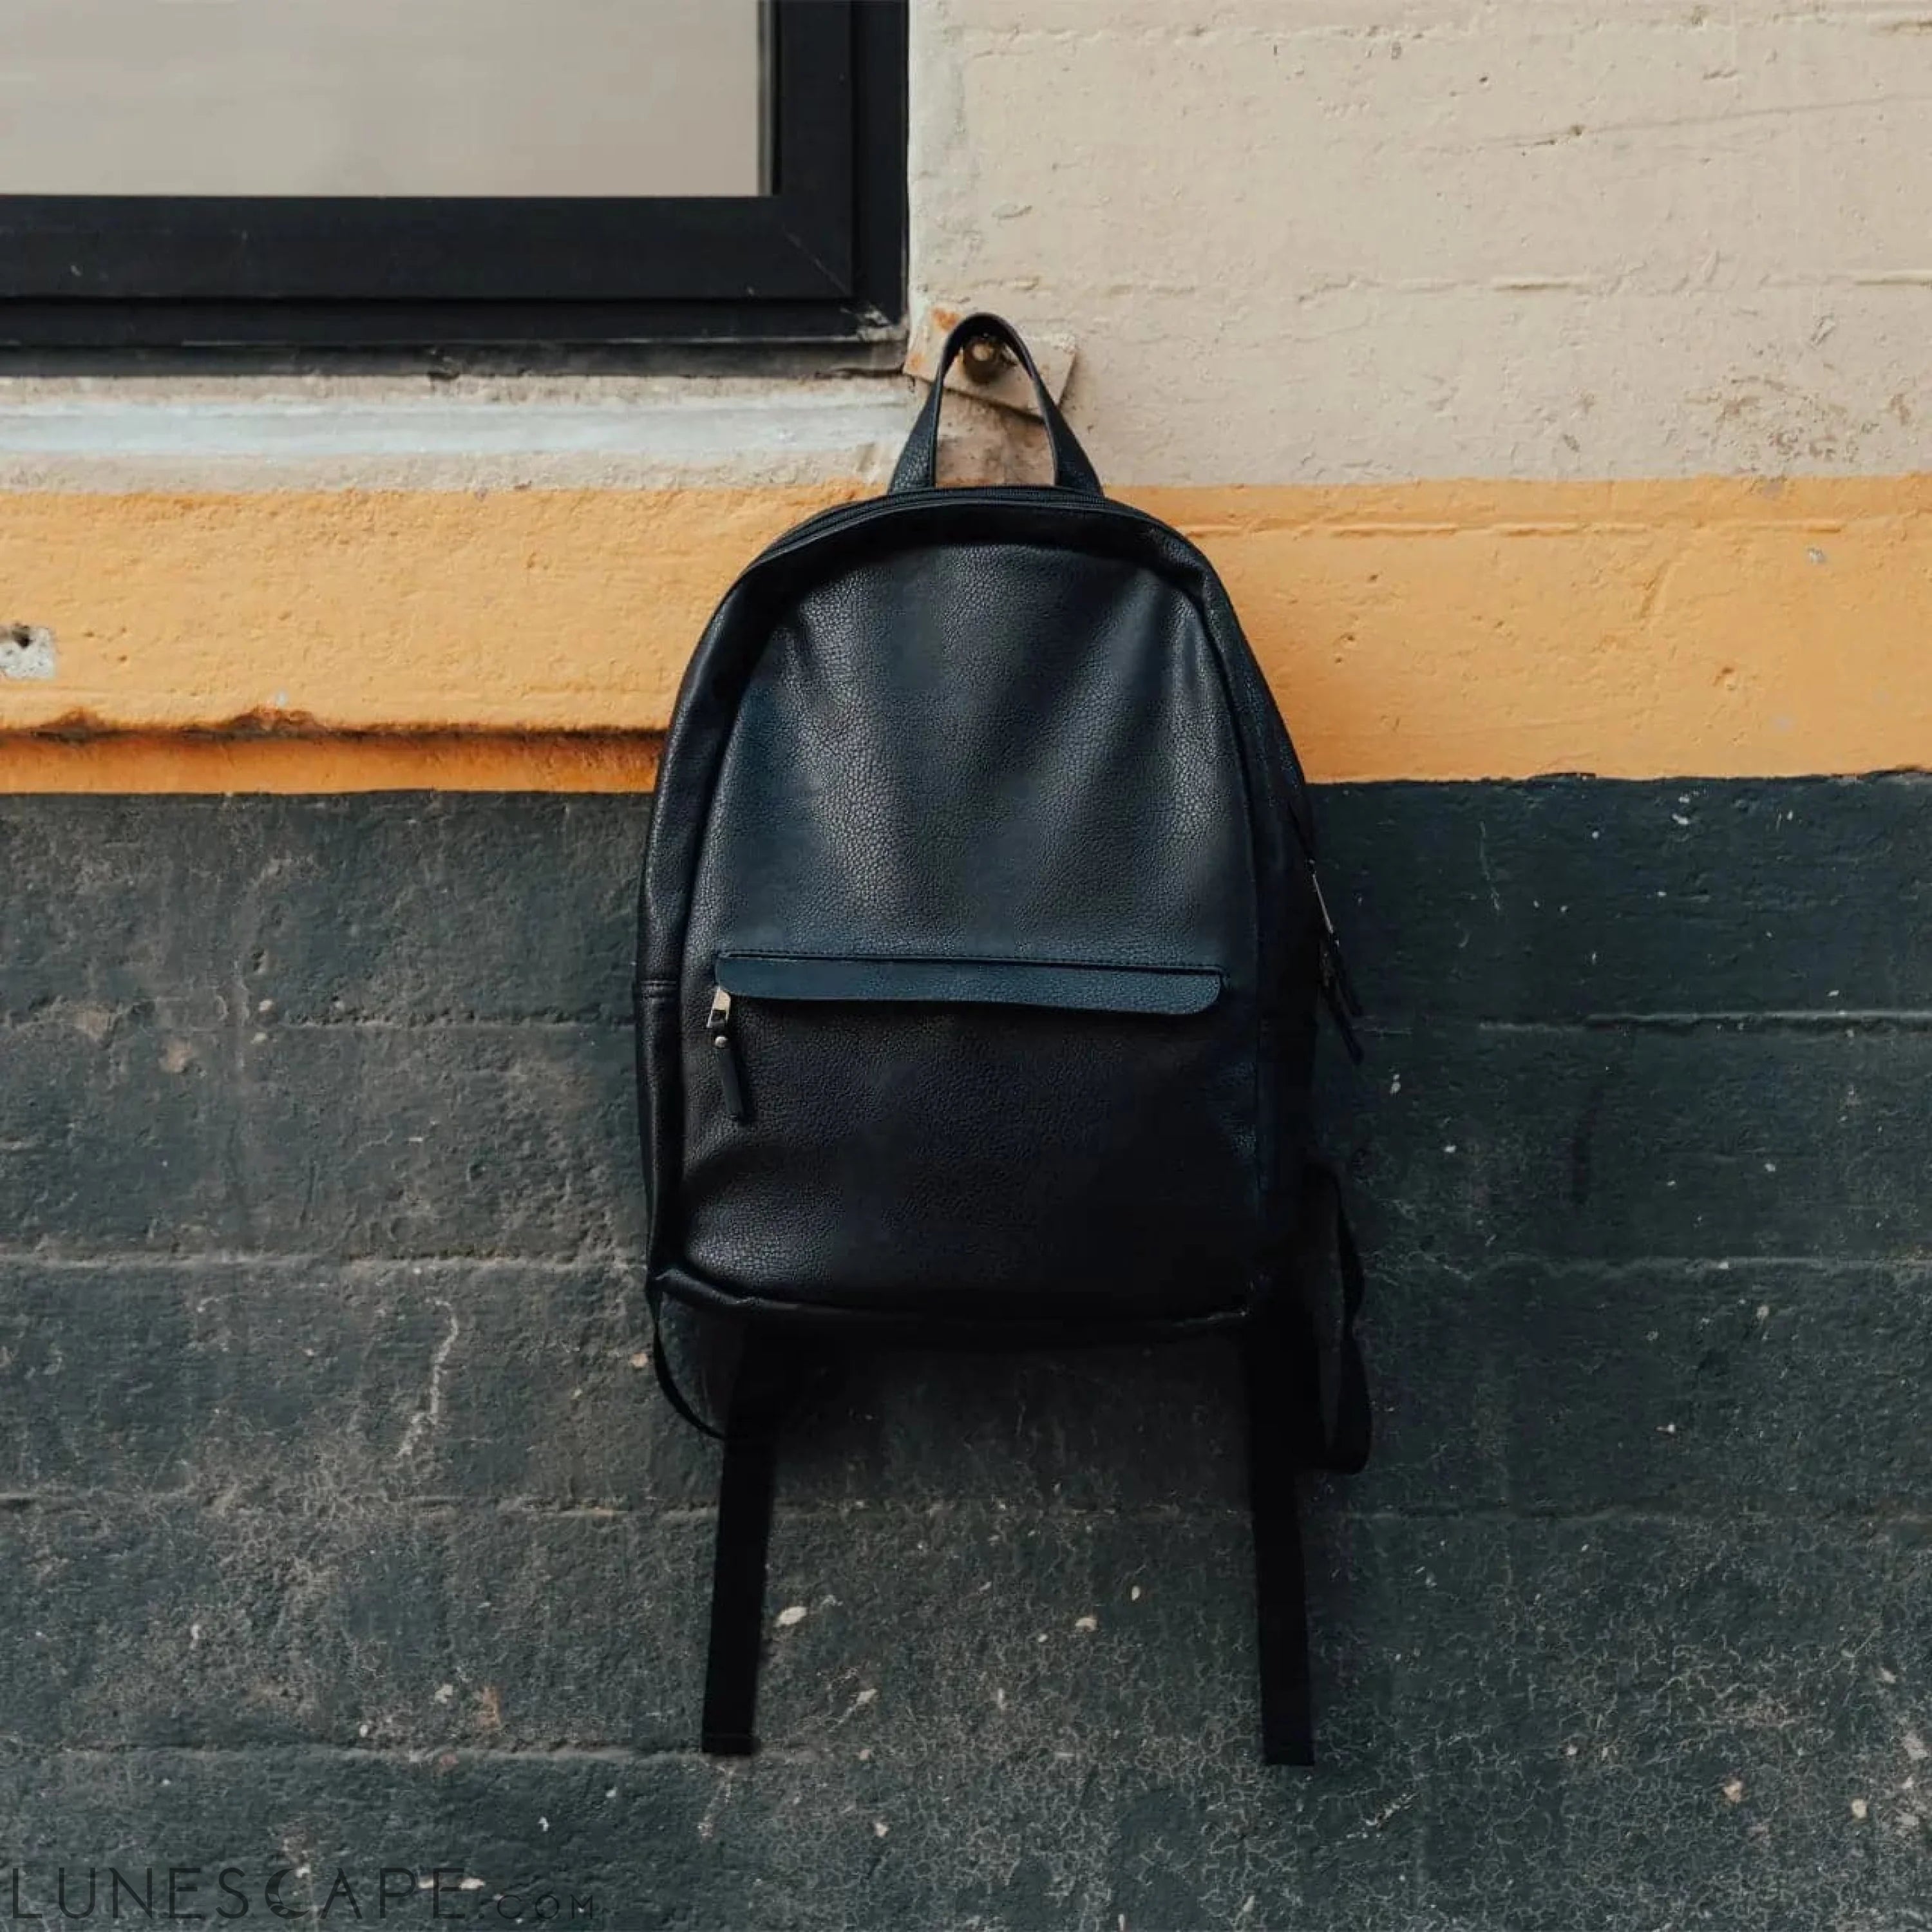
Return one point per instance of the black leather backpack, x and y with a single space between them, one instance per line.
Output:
981 944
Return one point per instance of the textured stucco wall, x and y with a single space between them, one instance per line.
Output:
1351 240
1326 264
340 1527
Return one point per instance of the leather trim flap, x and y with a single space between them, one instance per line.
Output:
1010 982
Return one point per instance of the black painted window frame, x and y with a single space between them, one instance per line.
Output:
818 258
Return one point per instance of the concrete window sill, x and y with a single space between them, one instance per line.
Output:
245 434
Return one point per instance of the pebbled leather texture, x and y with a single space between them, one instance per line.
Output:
946 735
983 751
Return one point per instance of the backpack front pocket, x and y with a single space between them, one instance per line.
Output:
1017 1135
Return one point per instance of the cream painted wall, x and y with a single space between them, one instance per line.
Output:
1327 240
1428 322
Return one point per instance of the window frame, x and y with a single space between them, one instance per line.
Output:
820 258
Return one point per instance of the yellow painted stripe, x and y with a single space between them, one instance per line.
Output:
195 762
544 610
1438 630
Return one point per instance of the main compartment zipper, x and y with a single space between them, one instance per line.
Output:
1338 989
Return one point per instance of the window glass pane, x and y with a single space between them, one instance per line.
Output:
382 97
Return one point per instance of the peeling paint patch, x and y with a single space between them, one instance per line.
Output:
27 653
423 1422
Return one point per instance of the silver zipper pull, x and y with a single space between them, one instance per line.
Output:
724 1051
1338 990
1337 968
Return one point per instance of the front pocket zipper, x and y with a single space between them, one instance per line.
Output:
724 1051
1152 991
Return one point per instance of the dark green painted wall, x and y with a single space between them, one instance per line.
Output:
339 1525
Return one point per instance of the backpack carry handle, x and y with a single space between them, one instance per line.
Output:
918 466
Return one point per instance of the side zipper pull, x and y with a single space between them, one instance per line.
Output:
1338 990
1338 1004
724 1052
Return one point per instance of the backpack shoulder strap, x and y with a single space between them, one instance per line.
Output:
1293 1425
763 1388
745 1490
1337 1407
